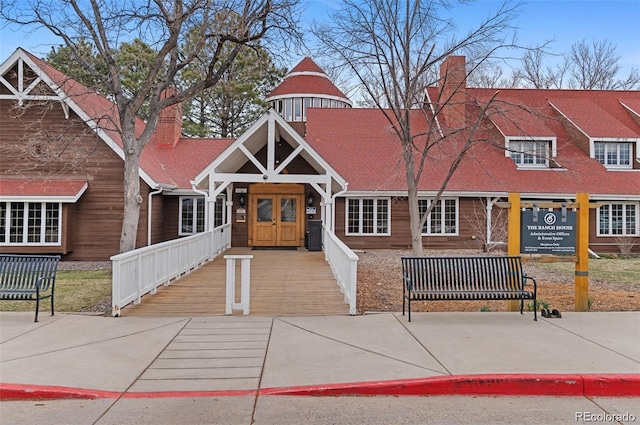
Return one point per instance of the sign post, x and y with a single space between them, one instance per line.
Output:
513 237
582 265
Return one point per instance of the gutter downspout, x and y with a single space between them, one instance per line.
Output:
333 207
149 213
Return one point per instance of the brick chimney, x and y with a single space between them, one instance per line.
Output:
453 94
169 127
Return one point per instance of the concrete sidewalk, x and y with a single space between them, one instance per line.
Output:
75 356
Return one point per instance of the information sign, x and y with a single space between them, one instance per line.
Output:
548 232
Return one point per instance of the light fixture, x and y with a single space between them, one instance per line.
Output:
242 199
310 199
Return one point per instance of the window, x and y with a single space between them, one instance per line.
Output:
618 220
30 223
297 109
368 217
287 110
307 105
219 211
443 219
191 215
530 153
613 154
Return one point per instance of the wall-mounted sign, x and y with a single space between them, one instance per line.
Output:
548 232
311 210
241 190
241 215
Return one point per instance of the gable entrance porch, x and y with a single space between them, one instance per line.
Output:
268 177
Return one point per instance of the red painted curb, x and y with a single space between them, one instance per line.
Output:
612 385
592 385
621 385
49 392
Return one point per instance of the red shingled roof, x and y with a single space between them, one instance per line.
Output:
306 65
51 188
597 116
300 81
361 146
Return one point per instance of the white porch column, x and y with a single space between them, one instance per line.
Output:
229 205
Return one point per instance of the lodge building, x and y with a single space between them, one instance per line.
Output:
312 160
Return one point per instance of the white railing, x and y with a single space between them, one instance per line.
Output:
141 271
344 264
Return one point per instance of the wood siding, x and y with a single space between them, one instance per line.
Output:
401 236
32 148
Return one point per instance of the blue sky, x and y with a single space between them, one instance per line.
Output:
567 21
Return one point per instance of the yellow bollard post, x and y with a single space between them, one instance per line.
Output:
582 253
513 237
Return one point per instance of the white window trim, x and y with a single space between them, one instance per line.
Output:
592 150
624 218
195 215
375 216
427 223
25 225
551 152
222 199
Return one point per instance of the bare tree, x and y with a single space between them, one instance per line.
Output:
489 224
587 66
596 67
493 76
391 48
163 25
534 73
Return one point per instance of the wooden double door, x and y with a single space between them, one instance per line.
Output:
276 214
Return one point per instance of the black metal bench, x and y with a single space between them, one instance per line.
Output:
28 278
465 278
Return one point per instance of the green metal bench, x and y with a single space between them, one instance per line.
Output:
465 278
28 278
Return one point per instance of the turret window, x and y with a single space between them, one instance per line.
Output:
295 109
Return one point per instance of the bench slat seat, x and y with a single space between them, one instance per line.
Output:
28 278
465 279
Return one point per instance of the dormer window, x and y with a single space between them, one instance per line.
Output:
529 153
613 154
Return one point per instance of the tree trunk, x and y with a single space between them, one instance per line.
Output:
414 212
132 200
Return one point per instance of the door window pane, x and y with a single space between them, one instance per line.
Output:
265 210
288 210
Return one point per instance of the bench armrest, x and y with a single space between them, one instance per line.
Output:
535 285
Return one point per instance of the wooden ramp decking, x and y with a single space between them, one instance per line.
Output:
283 283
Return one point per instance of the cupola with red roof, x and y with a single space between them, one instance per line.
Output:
306 86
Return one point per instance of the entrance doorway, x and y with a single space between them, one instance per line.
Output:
277 215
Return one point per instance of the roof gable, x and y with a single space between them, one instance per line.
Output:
174 167
266 131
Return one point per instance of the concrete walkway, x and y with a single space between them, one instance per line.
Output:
378 353
73 369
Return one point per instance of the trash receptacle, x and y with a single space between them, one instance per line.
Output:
314 242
